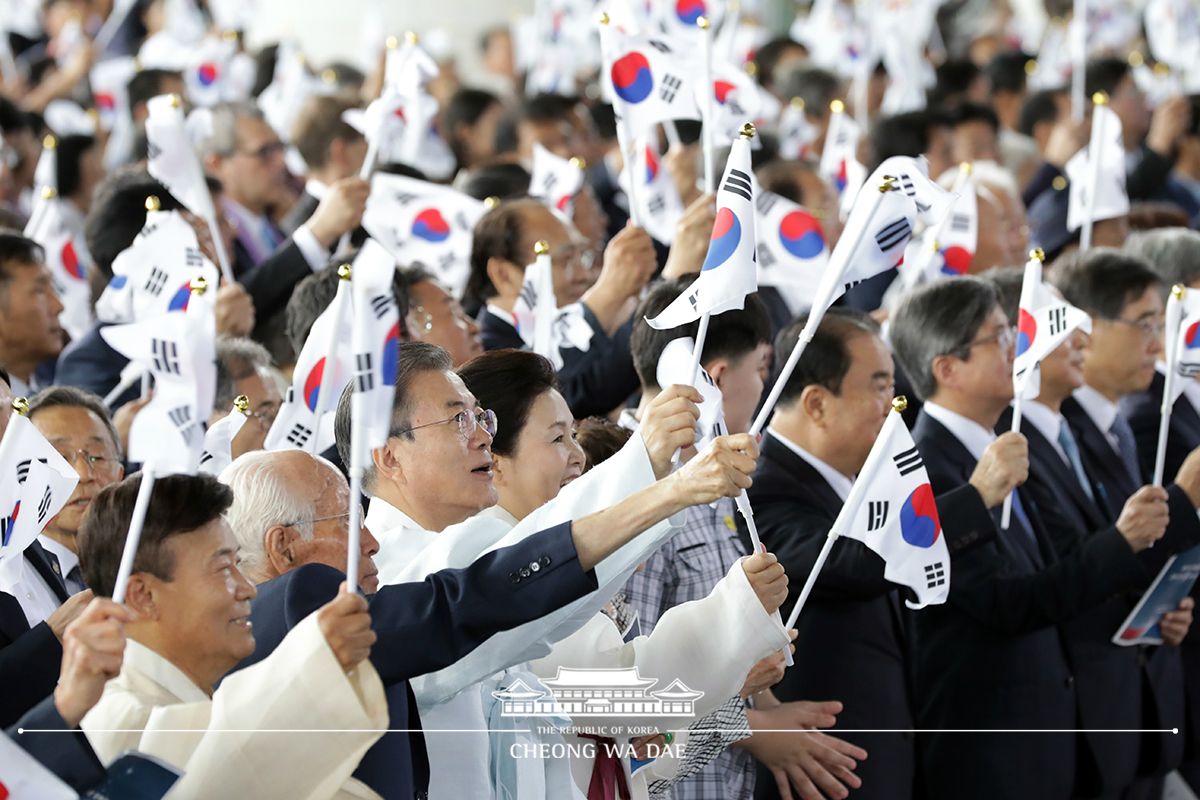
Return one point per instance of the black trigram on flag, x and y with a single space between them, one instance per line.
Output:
44 506
379 305
693 298
529 294
364 378
404 198
738 182
656 205
156 281
765 201
153 151
877 511
182 418
548 182
908 461
1188 370
447 261
166 356
669 88
764 256
848 286
935 575
194 257
661 47
205 457
894 234
906 185
960 223
298 435
1058 320
23 471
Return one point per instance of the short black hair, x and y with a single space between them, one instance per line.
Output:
954 77
16 250
779 177
179 504
508 382
767 58
74 397
1039 107
900 135
147 83
465 105
974 112
601 439
502 180
1006 71
497 235
1104 74
70 150
1103 280
826 359
732 335
118 215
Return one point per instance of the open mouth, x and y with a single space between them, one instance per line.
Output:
484 469
569 478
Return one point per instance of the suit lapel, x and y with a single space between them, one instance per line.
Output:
1050 466
40 560
804 473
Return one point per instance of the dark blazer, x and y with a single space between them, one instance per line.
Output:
1108 678
593 382
299 213
853 620
992 657
30 659
69 756
1144 415
1163 668
423 627
270 283
90 364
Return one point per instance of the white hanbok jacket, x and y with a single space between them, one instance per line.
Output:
220 742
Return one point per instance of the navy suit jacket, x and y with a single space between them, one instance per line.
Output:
1143 410
423 627
593 382
30 659
854 614
992 657
69 756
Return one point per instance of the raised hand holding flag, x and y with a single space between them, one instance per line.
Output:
1182 337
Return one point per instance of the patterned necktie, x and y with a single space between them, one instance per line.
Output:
1067 442
1128 447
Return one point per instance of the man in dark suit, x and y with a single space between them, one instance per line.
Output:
1122 293
992 657
332 150
825 423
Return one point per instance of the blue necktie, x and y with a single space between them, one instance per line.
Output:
1067 442
1128 447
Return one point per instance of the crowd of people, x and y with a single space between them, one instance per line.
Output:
537 520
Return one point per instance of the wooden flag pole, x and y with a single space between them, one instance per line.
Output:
1174 313
329 370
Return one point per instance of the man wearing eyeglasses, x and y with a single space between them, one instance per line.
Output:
243 369
992 657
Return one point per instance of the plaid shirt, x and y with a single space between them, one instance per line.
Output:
685 569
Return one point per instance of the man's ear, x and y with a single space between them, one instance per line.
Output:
278 546
505 276
212 162
812 401
718 369
386 464
337 151
140 596
945 371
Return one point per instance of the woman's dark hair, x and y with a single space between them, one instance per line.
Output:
465 106
70 150
600 439
508 382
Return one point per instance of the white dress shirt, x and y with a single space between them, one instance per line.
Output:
971 434
400 539
37 599
836 480
1102 411
1048 423
67 561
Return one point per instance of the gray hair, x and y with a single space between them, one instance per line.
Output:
815 86
939 319
262 499
1174 253
223 139
73 397
237 359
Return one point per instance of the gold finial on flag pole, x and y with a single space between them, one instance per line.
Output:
1100 98
899 403
1179 291
747 131
1037 254
242 404
541 248
344 272
199 285
152 203
21 406
837 106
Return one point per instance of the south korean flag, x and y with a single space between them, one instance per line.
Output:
376 348
792 251
1044 321
1183 340
649 78
736 100
839 160
556 180
675 367
657 198
421 221
1106 146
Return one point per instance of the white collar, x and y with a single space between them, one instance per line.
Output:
142 659
836 480
502 514
315 188
1048 423
497 311
382 517
67 560
1102 410
970 433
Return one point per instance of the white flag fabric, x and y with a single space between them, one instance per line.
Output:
376 345
679 17
736 100
884 229
153 276
1184 357
796 133
1044 321
1111 199
839 160
35 484
68 260
537 307
421 221
207 76
946 252
291 85
171 159
297 420
110 93
658 203
729 272
895 515
792 252
232 15
218 442
22 777
675 367
1172 29
556 180
649 78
